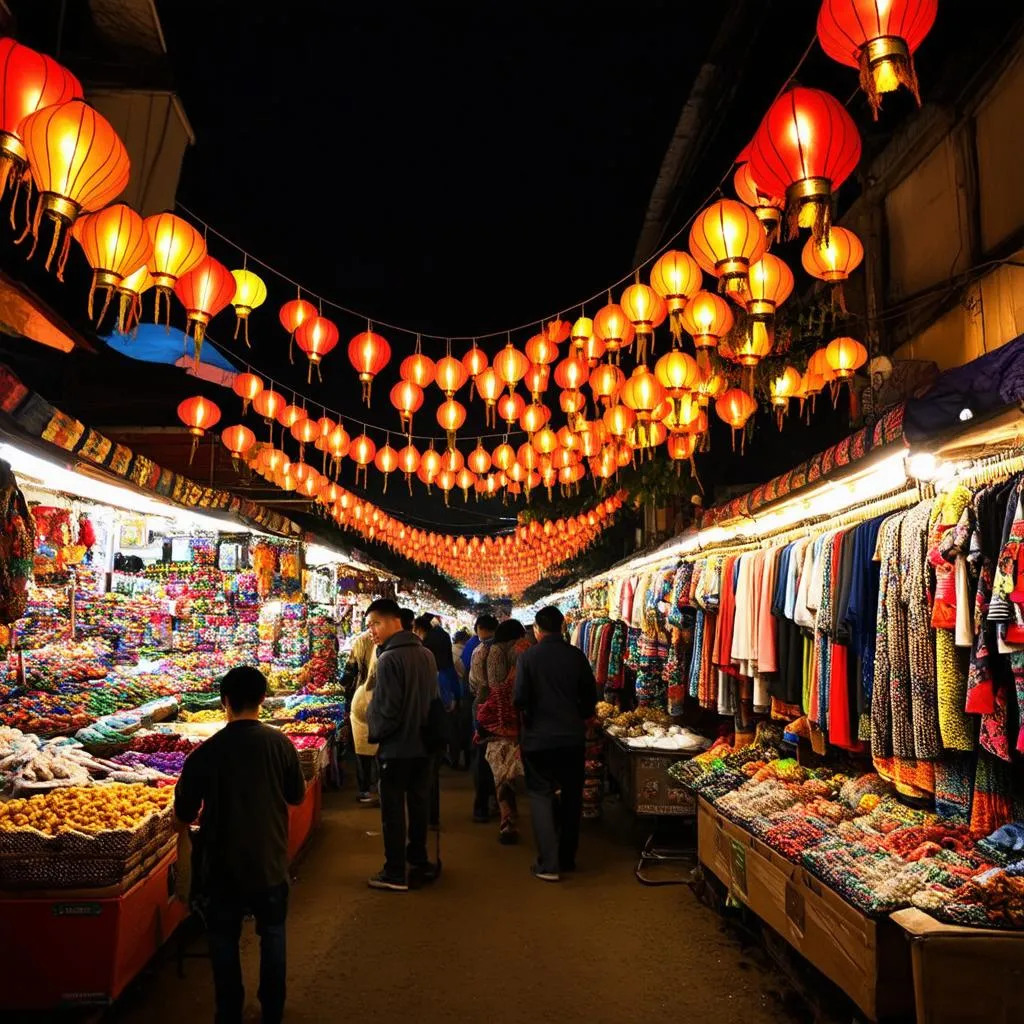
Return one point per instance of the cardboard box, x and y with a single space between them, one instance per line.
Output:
964 975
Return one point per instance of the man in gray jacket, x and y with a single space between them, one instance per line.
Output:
406 685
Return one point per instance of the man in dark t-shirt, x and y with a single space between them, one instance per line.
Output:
243 779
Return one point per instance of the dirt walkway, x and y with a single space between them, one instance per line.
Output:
489 943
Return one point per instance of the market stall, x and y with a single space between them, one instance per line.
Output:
132 612
850 653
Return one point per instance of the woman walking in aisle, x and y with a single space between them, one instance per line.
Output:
499 723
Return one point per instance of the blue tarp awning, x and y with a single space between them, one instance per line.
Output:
155 343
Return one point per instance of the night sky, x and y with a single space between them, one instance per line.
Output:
453 168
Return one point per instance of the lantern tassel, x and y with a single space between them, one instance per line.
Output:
24 178
65 251
106 305
92 292
385 489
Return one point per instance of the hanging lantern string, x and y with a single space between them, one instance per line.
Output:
529 324
308 403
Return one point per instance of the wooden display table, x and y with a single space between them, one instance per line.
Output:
83 947
867 958
963 975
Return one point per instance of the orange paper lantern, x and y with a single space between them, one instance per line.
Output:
204 291
177 249
369 353
725 239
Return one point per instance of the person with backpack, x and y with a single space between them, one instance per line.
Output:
401 718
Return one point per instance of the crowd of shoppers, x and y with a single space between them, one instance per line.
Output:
517 698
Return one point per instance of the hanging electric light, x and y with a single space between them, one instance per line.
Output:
806 147
177 249
725 239
735 407
292 316
369 353
771 283
204 291
767 208
407 398
116 245
644 309
675 277
879 37
612 327
511 366
247 386
707 318
450 416
489 388
783 386
199 415
834 260
250 293
845 356
78 164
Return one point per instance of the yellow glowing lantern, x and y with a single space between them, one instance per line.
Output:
845 356
725 239
833 260
250 293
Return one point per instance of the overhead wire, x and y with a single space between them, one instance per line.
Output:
506 331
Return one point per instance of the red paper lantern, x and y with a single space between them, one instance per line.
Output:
735 407
475 361
541 350
511 366
489 387
450 375
418 368
316 337
510 408
369 353
606 382
362 452
293 315
199 415
247 386
537 379
407 398
612 327
238 440
29 81
879 37
806 147
204 291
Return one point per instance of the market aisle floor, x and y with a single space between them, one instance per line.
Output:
489 943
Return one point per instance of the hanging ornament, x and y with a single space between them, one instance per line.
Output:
450 375
845 356
250 293
834 261
338 445
541 350
557 331
582 331
679 374
450 417
675 277
247 386
782 387
489 388
510 408
316 336
643 393
362 452
268 403
177 249
305 431
710 386
238 440
78 164
204 291
707 318
407 398
475 361
446 481
767 209
418 368
735 407
725 239
116 245
642 305
293 314
771 283
681 448
386 461
572 403
612 327
545 441
806 147
879 37
130 292
409 460
199 415
605 383
504 457
369 353
465 481
511 366
479 460
29 81
572 373
533 417
537 379
619 419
